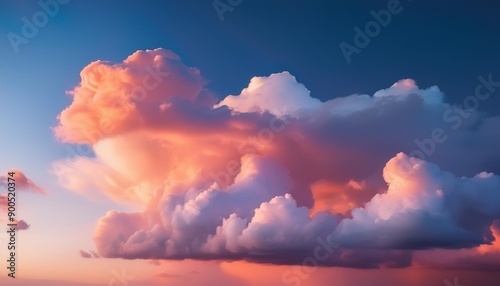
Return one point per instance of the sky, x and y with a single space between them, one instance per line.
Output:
237 142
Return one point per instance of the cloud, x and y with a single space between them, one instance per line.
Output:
253 219
85 254
94 254
279 94
4 203
483 258
115 98
22 182
277 225
22 225
248 222
424 207
269 174
88 254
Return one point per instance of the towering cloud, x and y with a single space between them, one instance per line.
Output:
116 98
274 175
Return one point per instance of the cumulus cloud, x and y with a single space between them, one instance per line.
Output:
279 94
114 98
243 221
184 219
424 207
269 174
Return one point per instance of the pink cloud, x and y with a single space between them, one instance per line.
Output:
22 225
115 98
265 175
84 254
3 202
22 182
88 254
424 207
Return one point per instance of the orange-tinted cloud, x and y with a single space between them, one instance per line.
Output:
113 99
259 178
424 208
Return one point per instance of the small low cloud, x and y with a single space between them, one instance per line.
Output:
22 182
85 254
88 254
22 225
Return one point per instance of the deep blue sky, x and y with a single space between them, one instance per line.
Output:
447 43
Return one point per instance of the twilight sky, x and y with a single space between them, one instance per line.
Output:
203 142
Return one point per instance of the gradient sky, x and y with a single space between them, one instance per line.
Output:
338 170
